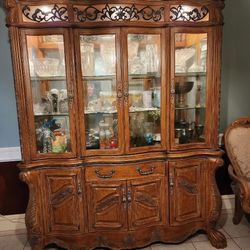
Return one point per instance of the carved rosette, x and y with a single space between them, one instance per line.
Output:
13 11
119 13
32 217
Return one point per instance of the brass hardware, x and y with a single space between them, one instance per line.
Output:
172 91
124 198
147 172
70 98
125 93
171 183
129 198
104 176
79 188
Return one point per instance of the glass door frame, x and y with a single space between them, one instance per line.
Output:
70 83
164 76
210 90
119 91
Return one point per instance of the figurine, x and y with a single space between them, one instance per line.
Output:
53 96
63 101
46 136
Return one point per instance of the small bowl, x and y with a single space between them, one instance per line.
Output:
183 87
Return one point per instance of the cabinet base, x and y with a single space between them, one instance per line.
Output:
129 239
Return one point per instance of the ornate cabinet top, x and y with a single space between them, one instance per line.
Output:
119 13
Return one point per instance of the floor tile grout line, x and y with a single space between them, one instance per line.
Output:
236 243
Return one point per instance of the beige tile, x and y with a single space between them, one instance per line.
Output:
199 237
10 228
183 246
13 242
2 217
15 217
240 230
243 243
206 245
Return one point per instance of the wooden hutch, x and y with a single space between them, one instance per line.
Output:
118 106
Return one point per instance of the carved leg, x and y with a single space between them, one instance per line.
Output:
238 212
216 238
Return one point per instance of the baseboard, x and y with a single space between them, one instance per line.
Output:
228 202
10 154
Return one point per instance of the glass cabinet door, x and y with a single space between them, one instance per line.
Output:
100 84
50 94
143 90
188 87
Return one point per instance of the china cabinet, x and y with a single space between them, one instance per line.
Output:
118 105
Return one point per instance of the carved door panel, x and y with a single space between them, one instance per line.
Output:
63 200
187 190
145 202
107 205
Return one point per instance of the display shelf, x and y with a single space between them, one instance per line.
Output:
51 114
90 112
191 74
48 78
187 108
139 109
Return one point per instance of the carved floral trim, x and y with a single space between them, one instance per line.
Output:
119 13
180 14
55 14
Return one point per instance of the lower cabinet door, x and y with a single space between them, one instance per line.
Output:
63 200
187 190
146 202
107 207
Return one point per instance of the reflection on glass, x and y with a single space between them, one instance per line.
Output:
49 89
98 63
144 68
190 87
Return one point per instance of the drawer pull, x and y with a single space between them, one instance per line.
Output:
104 176
147 172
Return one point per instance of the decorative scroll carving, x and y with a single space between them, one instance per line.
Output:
117 13
107 202
62 195
179 14
146 200
190 187
57 13
31 217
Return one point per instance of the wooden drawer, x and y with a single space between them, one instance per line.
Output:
124 172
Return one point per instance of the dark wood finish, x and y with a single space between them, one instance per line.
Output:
241 180
14 194
124 198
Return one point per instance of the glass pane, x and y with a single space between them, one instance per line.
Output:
49 90
144 68
190 87
98 63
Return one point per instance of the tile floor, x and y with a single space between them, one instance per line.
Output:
13 235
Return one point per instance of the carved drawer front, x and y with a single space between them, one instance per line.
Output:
63 200
107 205
124 172
187 190
146 202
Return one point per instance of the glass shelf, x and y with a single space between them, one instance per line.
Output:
48 78
191 74
51 114
89 112
99 77
138 109
186 108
